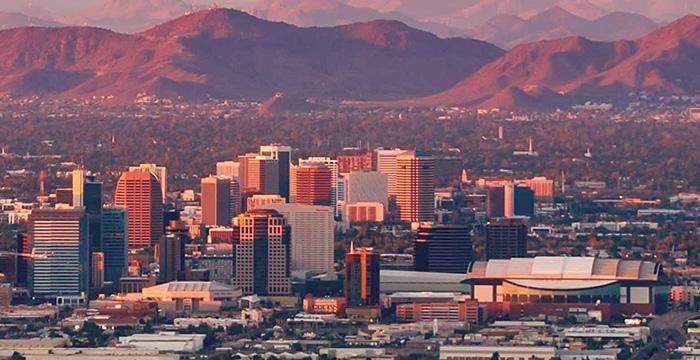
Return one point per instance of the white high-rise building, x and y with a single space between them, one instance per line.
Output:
161 173
312 235
61 268
386 164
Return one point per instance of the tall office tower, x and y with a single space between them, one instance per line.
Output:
243 169
235 205
293 183
313 231
543 187
78 180
230 169
261 253
62 236
506 238
524 201
262 175
97 270
115 242
87 194
443 248
508 200
366 186
313 185
386 164
415 187
216 201
24 247
171 258
161 173
283 155
495 201
354 160
362 277
333 166
92 202
140 193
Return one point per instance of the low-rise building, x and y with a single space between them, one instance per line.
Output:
165 341
190 296
478 352
325 305
465 311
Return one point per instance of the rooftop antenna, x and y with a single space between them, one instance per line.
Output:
563 182
352 246
42 181
500 133
529 146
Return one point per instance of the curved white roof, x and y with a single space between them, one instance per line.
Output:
561 284
564 268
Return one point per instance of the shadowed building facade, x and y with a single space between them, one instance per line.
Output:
261 253
443 248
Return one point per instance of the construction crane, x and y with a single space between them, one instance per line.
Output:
33 255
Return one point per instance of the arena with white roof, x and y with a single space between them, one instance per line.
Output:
568 280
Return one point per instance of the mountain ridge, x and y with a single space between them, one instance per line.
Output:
226 53
549 73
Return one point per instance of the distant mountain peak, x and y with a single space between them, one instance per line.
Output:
552 73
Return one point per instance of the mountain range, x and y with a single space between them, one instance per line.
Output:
558 72
230 54
509 30
336 12
442 17
226 53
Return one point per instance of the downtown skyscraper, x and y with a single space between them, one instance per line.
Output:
415 187
261 253
140 193
60 272
216 201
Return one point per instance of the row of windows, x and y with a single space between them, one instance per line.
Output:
546 299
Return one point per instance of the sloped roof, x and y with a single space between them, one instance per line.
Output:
565 268
186 286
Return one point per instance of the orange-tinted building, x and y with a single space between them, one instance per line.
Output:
314 185
465 311
325 305
354 162
216 201
362 277
415 187
140 193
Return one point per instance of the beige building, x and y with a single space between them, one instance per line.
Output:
386 164
190 296
261 201
366 187
312 235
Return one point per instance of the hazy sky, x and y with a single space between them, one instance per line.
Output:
66 6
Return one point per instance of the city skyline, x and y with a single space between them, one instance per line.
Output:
349 179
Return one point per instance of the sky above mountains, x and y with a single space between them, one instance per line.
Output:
506 23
